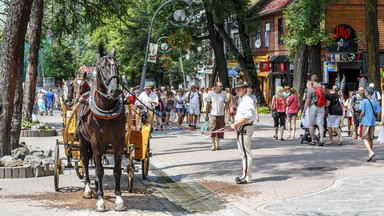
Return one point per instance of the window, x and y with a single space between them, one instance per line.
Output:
280 30
258 30
267 31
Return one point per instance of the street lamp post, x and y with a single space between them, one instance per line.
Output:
178 17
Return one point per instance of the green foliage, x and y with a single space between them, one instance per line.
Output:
264 110
60 61
28 124
305 21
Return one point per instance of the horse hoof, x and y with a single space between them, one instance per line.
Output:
94 194
100 206
119 204
87 195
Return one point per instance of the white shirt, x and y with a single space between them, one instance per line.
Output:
194 99
146 99
246 109
217 101
205 96
376 96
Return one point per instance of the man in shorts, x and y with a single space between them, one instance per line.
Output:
355 109
316 114
217 99
194 99
369 108
50 96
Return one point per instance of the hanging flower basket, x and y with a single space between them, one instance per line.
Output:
166 62
180 40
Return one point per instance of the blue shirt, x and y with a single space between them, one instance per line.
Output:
369 118
49 96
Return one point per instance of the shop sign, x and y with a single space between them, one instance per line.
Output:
264 66
344 57
258 43
345 39
282 67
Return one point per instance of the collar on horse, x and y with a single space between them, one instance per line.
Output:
97 111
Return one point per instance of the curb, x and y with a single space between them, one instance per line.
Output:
25 171
34 133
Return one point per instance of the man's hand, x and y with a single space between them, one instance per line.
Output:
206 118
257 119
233 126
303 114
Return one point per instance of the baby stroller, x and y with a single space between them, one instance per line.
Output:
307 136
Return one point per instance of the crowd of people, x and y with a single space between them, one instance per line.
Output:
325 108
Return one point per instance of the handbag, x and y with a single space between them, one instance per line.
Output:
275 114
381 135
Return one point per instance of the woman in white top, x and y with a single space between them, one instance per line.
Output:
41 102
349 113
180 106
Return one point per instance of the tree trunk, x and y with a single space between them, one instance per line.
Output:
372 35
213 77
314 57
32 59
218 49
300 72
133 78
12 45
246 62
18 105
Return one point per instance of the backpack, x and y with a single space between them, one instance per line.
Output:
198 95
320 99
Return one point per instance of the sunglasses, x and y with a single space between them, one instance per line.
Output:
220 86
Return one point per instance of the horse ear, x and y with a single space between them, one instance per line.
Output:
63 81
113 52
101 50
85 75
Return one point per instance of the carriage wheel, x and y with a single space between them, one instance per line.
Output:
131 172
79 166
145 163
57 167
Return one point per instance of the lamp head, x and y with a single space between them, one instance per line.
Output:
179 15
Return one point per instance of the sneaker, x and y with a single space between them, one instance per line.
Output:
354 136
213 148
218 148
370 156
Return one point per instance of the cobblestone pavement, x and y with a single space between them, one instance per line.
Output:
357 195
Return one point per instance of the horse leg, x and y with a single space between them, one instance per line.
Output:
85 154
100 206
119 204
88 190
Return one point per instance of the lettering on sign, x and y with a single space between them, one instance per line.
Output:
264 66
344 36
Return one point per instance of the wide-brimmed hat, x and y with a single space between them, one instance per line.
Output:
241 84
147 86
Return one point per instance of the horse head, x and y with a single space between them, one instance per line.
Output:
81 85
68 90
107 76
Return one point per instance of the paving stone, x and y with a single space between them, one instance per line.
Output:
15 172
8 172
2 172
23 172
28 171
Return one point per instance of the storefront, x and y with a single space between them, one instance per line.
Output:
281 73
344 61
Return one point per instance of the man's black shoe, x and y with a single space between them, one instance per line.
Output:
241 181
237 178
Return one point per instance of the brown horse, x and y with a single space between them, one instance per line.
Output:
102 122
81 86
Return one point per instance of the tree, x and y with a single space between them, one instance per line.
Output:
304 20
372 35
240 9
10 57
32 58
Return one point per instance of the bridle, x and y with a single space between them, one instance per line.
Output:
114 72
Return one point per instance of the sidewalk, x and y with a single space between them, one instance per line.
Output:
279 167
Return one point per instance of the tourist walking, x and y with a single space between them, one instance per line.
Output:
170 106
315 102
243 124
279 103
41 102
194 99
355 109
218 101
293 110
335 112
370 109
159 109
50 97
347 104
180 106
250 94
